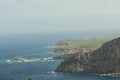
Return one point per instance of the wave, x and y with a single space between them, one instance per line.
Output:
5 61
49 58
10 61
51 72
53 46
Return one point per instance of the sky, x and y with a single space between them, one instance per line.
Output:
47 16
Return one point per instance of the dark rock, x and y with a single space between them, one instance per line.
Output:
105 59
63 57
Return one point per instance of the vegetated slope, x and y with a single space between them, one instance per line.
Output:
74 46
105 59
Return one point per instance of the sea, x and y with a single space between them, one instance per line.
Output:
38 46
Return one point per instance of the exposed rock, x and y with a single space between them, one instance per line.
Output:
75 63
78 46
26 60
71 51
20 59
63 57
105 59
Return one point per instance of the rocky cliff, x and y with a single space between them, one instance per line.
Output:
76 46
105 59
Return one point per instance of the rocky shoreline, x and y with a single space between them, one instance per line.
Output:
105 61
21 59
111 74
75 46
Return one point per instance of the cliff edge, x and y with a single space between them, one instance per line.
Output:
105 59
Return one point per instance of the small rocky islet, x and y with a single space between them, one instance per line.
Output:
105 60
21 59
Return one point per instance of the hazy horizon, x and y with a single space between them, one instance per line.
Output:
57 16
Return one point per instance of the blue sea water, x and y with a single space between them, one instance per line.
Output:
35 47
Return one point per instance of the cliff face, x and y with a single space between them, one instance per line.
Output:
76 63
105 59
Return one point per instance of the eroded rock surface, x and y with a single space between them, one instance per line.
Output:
105 59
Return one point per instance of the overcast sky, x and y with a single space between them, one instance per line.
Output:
31 16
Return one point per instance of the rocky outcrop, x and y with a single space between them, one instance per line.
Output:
70 46
78 46
20 59
72 50
26 60
75 63
63 57
105 59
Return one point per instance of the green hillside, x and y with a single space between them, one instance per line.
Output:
76 44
